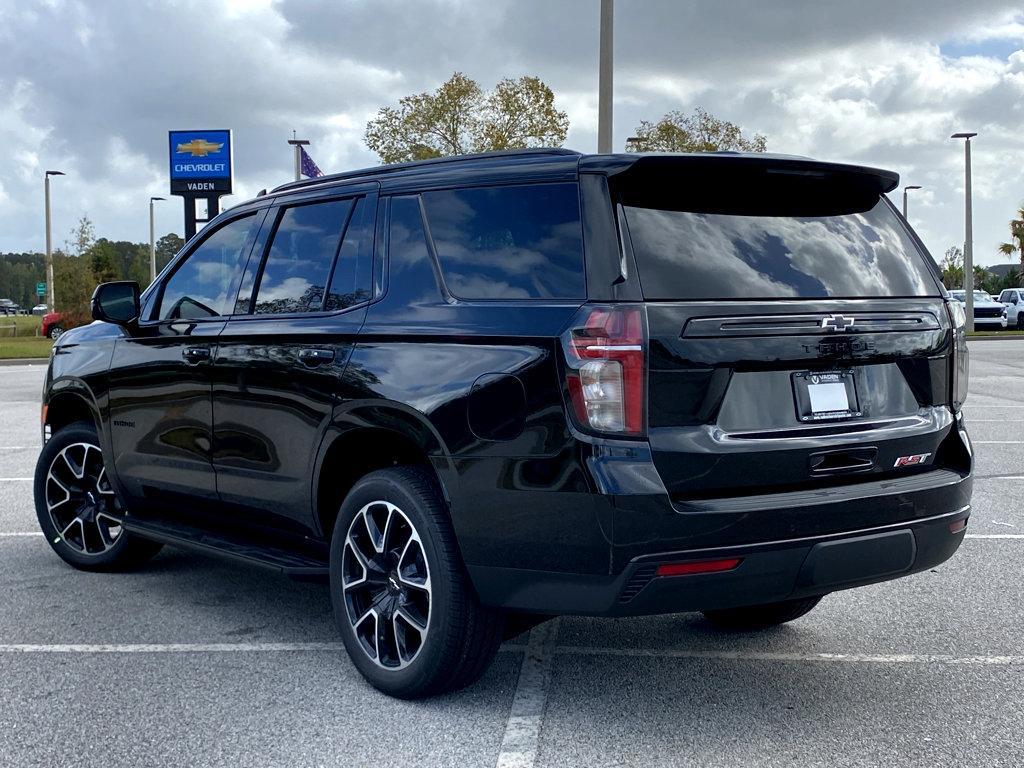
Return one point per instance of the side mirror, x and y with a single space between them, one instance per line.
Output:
116 302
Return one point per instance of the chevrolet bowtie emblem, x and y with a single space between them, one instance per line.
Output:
837 323
200 148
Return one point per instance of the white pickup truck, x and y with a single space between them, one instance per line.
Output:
1013 300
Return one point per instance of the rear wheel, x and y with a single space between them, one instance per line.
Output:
77 508
55 332
408 615
762 616
1020 321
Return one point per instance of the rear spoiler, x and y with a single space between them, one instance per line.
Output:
741 184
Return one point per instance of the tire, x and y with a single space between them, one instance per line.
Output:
762 616
437 637
55 332
1020 321
79 513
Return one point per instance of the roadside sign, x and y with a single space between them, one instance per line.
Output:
200 162
40 289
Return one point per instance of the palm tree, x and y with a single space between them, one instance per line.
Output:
1016 244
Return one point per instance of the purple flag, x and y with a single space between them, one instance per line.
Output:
307 166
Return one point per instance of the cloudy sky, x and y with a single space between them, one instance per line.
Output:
91 88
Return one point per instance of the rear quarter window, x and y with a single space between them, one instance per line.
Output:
687 255
511 242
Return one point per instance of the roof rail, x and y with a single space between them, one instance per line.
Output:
395 167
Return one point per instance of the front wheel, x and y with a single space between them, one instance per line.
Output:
55 332
1020 321
77 508
409 617
762 616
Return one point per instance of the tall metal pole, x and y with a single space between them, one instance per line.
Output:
153 242
297 144
968 237
49 251
968 231
604 87
905 189
51 296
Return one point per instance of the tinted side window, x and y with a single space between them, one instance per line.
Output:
410 272
199 287
300 258
350 283
521 242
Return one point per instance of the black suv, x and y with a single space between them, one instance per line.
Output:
479 391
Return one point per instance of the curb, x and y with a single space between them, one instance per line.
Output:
24 361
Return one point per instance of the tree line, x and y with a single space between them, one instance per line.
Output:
83 262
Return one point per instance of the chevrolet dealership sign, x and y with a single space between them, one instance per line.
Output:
201 162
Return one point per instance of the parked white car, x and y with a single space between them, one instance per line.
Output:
987 312
1013 300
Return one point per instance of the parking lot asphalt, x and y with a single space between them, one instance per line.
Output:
197 661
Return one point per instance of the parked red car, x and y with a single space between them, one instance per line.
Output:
53 325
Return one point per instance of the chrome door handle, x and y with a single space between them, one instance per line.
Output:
196 354
314 357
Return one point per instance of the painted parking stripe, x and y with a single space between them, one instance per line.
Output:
168 648
713 654
539 655
966 537
191 648
998 443
14 480
522 730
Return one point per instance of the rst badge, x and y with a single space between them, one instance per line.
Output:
911 460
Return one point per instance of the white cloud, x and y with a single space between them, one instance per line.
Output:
92 88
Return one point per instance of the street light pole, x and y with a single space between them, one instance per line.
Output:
968 230
50 294
908 187
604 86
152 242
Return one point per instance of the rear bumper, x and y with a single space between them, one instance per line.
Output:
767 572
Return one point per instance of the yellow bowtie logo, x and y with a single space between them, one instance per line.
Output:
200 148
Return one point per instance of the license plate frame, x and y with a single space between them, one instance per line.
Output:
817 398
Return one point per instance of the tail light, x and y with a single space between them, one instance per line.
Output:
961 358
605 353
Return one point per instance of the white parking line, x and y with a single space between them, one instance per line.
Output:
522 730
531 694
14 480
966 536
714 654
999 443
168 648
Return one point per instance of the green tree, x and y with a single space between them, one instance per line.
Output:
952 266
699 132
166 247
73 285
460 117
1016 243
81 237
102 259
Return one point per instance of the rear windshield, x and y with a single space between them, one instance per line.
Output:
685 255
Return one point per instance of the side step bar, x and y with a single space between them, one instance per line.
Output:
293 564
